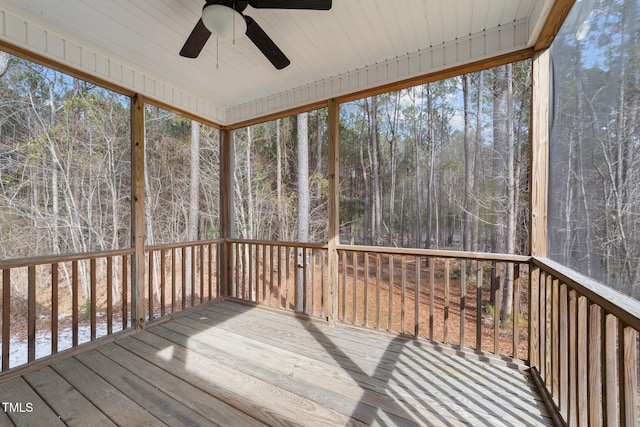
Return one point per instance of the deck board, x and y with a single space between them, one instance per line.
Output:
111 401
233 364
65 400
18 391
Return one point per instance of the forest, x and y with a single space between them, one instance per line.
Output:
442 165
594 196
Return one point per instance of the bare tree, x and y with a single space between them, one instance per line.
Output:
303 210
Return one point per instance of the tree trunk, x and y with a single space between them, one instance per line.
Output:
303 211
507 292
468 166
366 226
279 202
194 201
392 150
500 124
375 174
475 217
418 179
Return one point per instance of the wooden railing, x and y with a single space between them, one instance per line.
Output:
424 293
53 303
583 347
180 275
579 337
444 296
278 274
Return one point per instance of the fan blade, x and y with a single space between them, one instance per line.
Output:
291 4
196 41
265 44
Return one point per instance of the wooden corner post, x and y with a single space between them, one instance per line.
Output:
334 220
137 211
539 191
226 211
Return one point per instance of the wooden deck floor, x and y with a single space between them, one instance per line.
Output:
230 364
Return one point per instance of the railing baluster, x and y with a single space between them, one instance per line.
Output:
515 314
391 290
74 303
305 282
201 271
323 285
548 319
555 315
366 289
432 289
416 299
479 279
279 276
378 289
271 267
264 273
497 304
445 338
595 365
289 256
343 254
563 353
125 291
581 353
210 265
193 281
403 297
355 287
629 379
236 289
6 317
163 281
183 263
150 278
463 301
109 295
611 370
534 317
573 358
312 285
543 322
93 297
54 308
252 286
31 313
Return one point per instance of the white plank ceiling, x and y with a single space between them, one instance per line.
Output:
356 45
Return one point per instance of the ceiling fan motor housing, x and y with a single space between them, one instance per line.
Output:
225 19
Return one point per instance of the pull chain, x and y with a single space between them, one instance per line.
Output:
233 18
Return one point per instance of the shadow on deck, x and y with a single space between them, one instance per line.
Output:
233 364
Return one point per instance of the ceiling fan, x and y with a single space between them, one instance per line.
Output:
225 19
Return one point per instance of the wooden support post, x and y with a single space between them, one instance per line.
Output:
137 212
539 193
226 212
334 199
539 153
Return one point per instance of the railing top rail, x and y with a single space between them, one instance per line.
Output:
436 253
279 243
51 259
620 305
162 246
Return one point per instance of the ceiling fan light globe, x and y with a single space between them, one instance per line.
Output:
222 21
